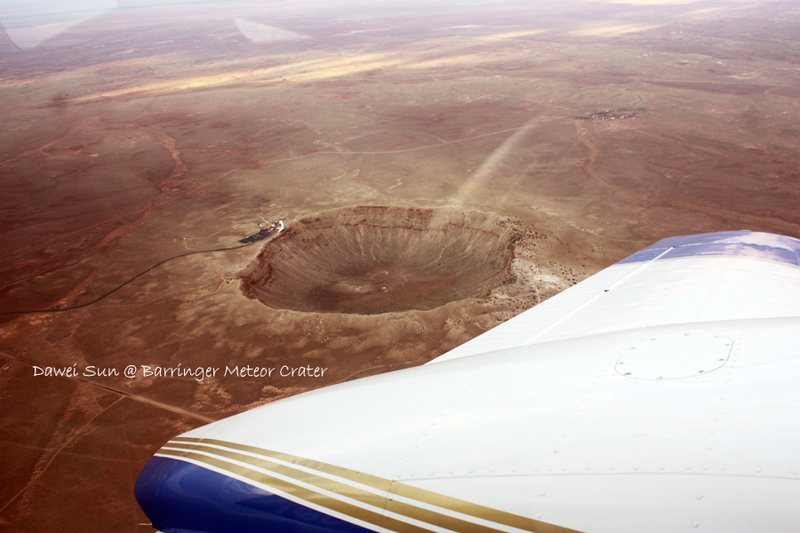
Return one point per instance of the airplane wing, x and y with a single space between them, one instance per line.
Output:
662 394
698 278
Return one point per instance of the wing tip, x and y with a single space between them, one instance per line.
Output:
754 244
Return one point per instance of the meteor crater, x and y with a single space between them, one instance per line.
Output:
378 259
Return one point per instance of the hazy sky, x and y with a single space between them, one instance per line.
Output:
28 24
22 8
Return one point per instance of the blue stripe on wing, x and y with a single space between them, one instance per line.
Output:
181 497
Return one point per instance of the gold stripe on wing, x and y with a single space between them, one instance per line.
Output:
473 509
352 475
401 489
348 491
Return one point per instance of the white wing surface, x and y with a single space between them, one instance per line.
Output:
700 278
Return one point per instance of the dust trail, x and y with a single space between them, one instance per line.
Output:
492 162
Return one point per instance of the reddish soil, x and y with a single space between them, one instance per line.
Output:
139 136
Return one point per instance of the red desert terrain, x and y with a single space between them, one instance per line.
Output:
436 170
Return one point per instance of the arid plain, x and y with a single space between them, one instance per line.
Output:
437 171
